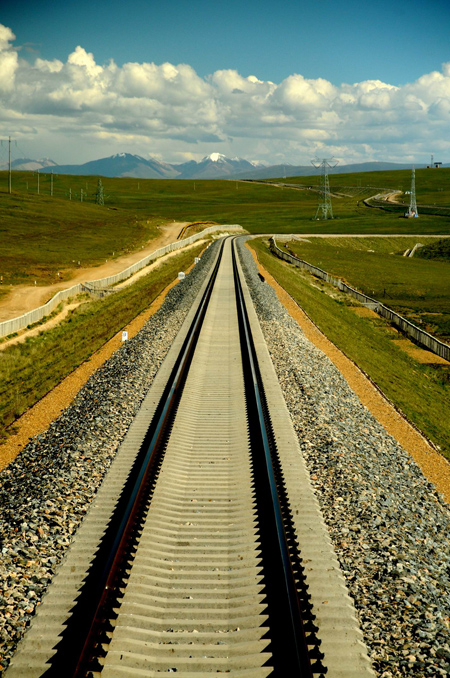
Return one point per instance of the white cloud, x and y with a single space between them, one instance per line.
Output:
6 36
84 60
8 59
86 109
297 93
49 66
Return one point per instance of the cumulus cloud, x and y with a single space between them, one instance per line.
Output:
50 66
8 59
6 36
173 112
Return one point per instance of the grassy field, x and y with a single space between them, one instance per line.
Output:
420 391
41 236
438 249
432 186
30 369
260 208
417 288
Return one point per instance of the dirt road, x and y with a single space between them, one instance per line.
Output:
24 298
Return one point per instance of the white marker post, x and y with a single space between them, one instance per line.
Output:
124 335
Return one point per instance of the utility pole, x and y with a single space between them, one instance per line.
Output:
51 183
9 164
38 181
324 209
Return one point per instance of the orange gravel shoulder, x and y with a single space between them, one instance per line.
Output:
433 465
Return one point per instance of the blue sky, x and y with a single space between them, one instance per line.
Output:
309 62
344 41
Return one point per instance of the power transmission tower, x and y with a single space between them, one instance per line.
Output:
99 197
324 209
412 210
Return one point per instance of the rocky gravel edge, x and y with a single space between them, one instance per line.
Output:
389 526
46 491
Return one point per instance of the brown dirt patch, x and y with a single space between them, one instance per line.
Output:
23 334
433 465
364 312
420 354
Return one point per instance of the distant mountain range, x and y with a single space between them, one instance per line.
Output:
214 166
28 165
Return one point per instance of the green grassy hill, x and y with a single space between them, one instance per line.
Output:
419 390
263 208
42 235
416 288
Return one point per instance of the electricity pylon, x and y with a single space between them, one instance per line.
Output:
99 197
324 209
412 210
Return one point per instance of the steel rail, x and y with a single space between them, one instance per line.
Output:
290 651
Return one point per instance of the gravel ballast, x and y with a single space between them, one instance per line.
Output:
389 526
46 491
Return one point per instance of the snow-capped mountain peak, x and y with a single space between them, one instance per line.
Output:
216 157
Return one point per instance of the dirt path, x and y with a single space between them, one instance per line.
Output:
55 320
433 465
393 197
24 298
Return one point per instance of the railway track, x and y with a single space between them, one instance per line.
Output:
210 552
